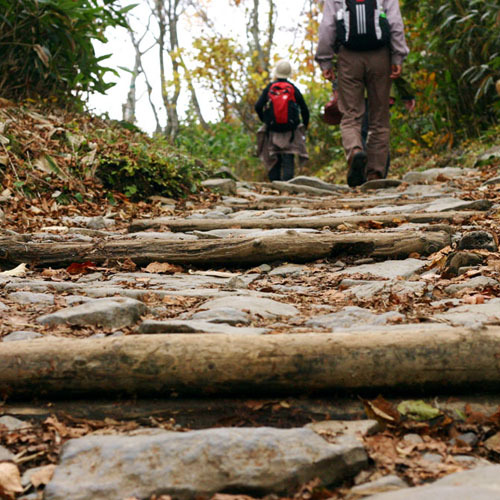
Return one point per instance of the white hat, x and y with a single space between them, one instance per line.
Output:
282 69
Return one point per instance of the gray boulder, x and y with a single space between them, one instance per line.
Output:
256 461
115 312
482 483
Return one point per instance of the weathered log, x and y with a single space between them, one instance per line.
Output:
182 364
271 202
292 247
318 222
286 187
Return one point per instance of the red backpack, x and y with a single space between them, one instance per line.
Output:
281 112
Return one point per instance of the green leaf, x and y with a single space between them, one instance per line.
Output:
418 410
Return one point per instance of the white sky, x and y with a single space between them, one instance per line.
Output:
230 21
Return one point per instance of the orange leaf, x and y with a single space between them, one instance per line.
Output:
80 268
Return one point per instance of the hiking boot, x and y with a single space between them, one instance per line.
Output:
374 176
357 166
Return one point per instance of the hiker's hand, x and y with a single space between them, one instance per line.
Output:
396 71
329 74
410 104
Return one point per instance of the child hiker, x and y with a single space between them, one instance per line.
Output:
282 136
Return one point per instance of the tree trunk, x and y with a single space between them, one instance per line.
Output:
319 222
291 247
220 364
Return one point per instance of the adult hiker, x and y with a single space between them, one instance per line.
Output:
401 90
282 136
367 38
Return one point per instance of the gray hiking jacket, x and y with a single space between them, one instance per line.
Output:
328 31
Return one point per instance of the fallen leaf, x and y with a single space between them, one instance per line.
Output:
474 299
382 411
225 496
80 268
17 272
254 405
10 480
162 267
418 410
42 476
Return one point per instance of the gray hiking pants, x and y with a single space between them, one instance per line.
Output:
361 73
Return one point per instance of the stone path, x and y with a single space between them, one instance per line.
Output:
348 294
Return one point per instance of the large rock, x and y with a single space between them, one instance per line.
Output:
113 313
199 463
482 483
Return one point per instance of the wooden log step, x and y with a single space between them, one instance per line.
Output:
442 359
291 247
317 222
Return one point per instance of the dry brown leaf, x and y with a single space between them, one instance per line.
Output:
474 299
17 272
162 267
10 480
42 476
225 496
382 411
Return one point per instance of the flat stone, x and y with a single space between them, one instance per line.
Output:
223 186
477 283
435 458
303 180
113 313
227 315
225 173
493 152
98 222
380 184
396 209
493 180
12 423
449 204
195 326
381 485
6 455
353 318
481 483
473 314
469 438
21 335
288 187
287 270
193 464
31 298
266 308
389 269
3 307
413 438
234 200
432 174
349 427
371 289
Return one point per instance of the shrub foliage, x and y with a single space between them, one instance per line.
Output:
47 50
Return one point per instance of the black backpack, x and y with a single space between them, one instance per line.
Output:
362 25
281 112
